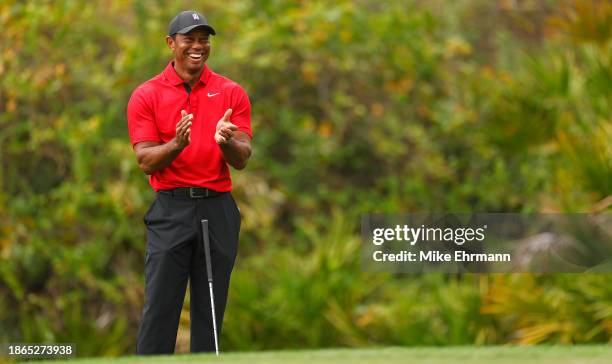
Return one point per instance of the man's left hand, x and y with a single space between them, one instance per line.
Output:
225 129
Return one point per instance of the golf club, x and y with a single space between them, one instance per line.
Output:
210 279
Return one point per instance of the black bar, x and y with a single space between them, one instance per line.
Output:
207 249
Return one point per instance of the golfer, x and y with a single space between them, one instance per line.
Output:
186 125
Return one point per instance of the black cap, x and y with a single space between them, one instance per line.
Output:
187 21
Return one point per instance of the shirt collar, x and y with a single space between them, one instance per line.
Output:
171 76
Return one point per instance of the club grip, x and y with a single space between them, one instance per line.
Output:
206 240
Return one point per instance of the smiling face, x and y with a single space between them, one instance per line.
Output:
190 50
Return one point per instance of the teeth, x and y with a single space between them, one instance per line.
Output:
195 56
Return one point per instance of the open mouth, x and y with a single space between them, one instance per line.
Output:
195 56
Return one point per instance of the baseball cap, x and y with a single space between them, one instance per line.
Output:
187 21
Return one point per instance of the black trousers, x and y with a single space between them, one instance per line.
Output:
174 254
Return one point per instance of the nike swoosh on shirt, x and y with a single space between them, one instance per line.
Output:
211 95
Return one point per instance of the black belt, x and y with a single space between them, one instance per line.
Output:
191 192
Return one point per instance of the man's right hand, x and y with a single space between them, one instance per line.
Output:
153 155
183 130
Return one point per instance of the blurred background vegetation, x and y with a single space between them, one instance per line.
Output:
358 106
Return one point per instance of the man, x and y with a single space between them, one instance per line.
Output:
186 124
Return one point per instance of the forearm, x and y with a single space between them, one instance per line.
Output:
156 157
236 152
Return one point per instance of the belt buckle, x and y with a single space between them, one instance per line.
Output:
192 193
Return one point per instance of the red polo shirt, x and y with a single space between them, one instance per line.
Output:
155 108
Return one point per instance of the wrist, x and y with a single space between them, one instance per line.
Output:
175 146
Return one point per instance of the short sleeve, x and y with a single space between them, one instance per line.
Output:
141 120
241 111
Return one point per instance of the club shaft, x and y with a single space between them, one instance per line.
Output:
214 318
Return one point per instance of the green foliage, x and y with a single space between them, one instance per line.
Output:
561 308
357 107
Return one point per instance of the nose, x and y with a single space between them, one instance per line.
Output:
200 44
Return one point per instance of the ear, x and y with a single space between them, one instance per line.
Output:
170 42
